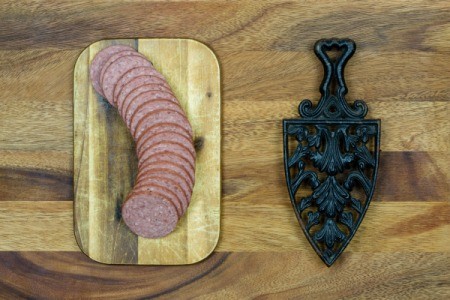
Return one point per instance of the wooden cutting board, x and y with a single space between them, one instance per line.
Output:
105 163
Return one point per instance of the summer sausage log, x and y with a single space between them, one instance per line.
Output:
163 137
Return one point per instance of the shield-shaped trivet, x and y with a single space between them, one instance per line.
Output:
331 158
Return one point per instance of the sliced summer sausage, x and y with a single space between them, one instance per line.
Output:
163 137
170 146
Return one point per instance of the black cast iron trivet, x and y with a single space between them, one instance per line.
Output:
335 152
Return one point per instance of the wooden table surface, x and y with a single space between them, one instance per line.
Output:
401 68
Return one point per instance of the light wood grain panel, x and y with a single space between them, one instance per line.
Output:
416 75
404 127
271 75
415 117
38 78
36 109
42 160
80 145
292 25
381 231
388 227
37 225
270 275
105 162
281 81
251 75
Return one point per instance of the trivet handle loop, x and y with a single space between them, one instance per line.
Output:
334 69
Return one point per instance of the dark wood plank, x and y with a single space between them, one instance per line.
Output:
246 225
424 177
229 275
403 176
277 25
18 184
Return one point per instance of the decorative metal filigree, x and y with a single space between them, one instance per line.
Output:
334 152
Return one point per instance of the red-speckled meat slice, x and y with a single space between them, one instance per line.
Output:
149 215
134 99
122 64
112 59
99 62
176 179
169 187
139 85
173 137
134 73
167 171
147 104
158 117
166 187
174 189
170 161
170 146
158 128
177 163
159 190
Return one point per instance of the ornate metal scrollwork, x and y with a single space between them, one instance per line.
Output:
335 152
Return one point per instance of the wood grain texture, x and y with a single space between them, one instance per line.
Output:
105 162
32 175
422 227
401 68
266 275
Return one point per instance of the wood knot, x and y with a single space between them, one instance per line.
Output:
118 210
198 143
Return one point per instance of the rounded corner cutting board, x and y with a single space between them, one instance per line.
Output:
105 163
